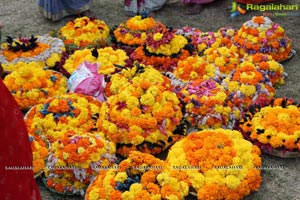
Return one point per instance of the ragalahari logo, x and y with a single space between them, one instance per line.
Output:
243 8
233 7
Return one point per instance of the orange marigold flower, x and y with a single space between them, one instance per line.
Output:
259 20
135 111
153 188
115 195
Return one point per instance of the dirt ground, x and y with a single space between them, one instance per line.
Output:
21 18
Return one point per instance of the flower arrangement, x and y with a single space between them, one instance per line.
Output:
204 40
84 32
226 34
76 159
40 153
217 164
163 49
247 85
187 31
61 113
195 67
261 35
224 59
207 106
45 50
273 126
134 31
140 176
272 68
31 85
142 115
107 58
138 73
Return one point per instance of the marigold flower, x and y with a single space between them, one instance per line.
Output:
220 161
274 126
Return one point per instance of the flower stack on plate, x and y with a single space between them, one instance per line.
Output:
106 57
134 31
217 164
59 114
248 84
140 176
224 59
44 50
206 105
31 85
84 32
273 126
269 66
195 67
261 35
75 160
163 49
141 111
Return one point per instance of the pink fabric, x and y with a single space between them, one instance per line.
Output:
90 82
16 173
196 1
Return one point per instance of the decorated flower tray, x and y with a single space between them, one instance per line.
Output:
273 126
292 53
44 49
56 192
35 91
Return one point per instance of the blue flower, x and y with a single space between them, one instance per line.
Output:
31 138
53 78
44 111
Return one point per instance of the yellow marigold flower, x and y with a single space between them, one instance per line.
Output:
157 36
121 177
248 90
220 61
201 47
127 195
137 140
93 195
275 66
193 75
156 197
172 197
197 180
147 99
163 178
132 102
135 188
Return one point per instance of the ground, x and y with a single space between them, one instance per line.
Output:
21 18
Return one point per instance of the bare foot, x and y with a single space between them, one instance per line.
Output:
196 9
